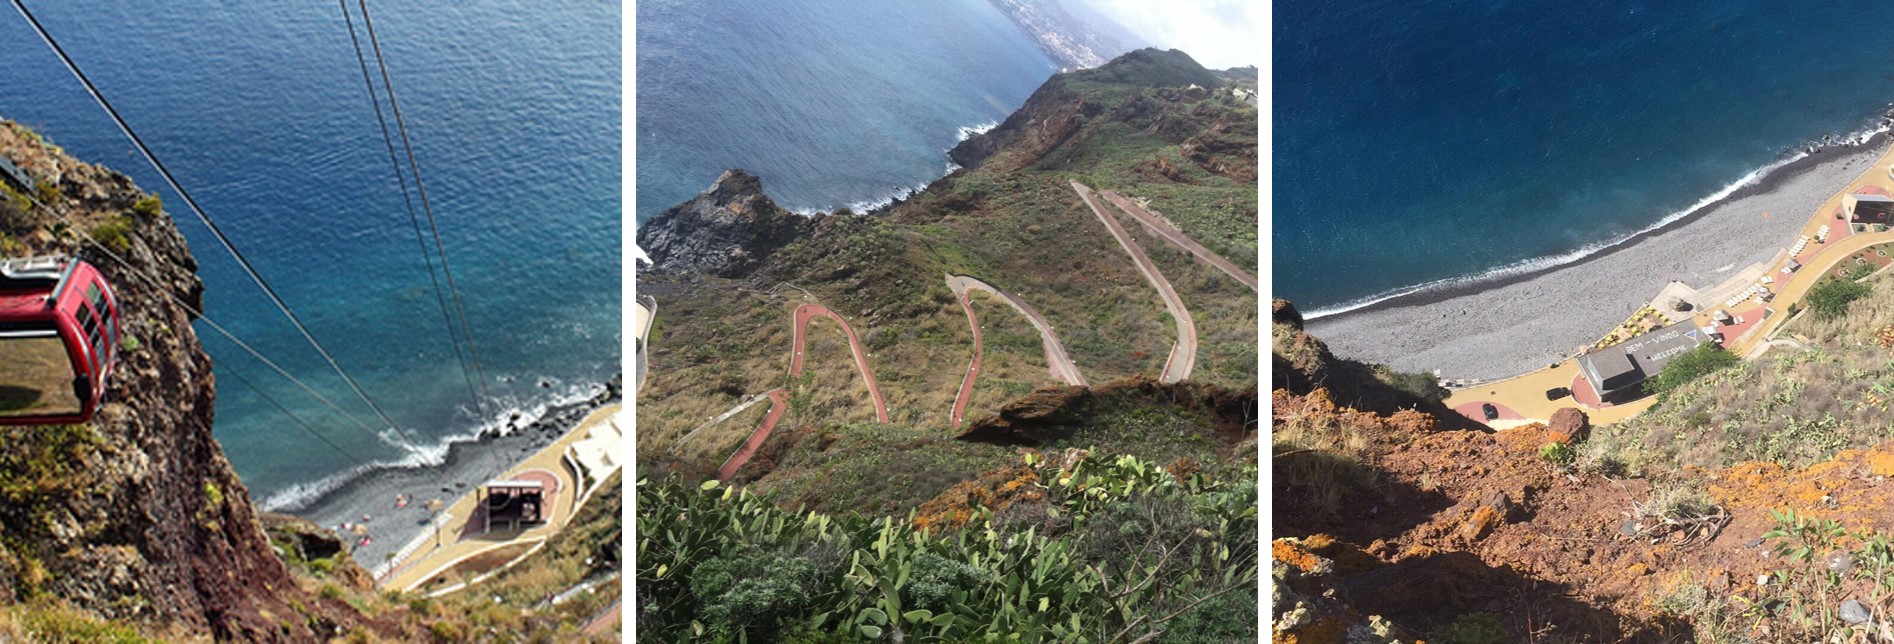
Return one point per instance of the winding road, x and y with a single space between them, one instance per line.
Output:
1056 359
1162 228
779 397
1183 356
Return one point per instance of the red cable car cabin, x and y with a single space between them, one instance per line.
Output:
58 337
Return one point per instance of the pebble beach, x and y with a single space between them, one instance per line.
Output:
1511 326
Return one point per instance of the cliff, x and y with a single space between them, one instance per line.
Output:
728 230
136 516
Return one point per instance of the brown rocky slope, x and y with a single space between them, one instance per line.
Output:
1393 526
136 516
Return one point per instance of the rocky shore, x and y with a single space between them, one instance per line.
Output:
467 465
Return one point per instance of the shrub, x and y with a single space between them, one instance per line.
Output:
1706 359
46 193
1558 454
1831 298
112 234
148 207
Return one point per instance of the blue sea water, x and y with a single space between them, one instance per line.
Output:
830 102
1429 143
260 111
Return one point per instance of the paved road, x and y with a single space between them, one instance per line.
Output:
1056 360
807 312
1183 356
1164 229
778 403
779 398
973 368
606 619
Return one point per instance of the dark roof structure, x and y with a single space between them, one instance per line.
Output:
1618 369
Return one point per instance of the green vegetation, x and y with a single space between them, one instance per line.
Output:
148 207
1830 299
1117 549
1422 385
1558 454
58 623
112 233
1705 359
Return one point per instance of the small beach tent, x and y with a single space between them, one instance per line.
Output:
514 502
1723 317
1792 265
1868 209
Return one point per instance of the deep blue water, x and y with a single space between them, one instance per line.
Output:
830 102
514 109
1418 142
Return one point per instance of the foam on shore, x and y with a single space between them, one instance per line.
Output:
1504 324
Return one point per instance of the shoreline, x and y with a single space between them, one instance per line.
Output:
1493 329
466 465
1812 157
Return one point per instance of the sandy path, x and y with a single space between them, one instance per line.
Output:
1056 359
1183 356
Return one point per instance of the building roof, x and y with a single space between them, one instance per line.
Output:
515 485
1880 198
1619 366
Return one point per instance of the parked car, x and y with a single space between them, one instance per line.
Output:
1488 410
1556 393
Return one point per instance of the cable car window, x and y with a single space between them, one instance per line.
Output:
100 306
36 376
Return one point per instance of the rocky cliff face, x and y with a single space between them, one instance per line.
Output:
136 516
1058 112
729 230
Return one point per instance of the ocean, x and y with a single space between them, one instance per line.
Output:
1426 146
261 112
832 103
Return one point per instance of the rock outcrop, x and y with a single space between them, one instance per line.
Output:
728 230
137 516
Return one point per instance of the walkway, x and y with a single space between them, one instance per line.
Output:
779 398
1056 360
450 546
778 403
1183 356
1162 228
807 312
973 368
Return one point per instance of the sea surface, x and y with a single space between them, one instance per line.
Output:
261 112
1427 145
832 103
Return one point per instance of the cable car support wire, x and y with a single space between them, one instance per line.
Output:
215 231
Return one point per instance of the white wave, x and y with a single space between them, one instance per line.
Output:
1536 264
511 417
970 131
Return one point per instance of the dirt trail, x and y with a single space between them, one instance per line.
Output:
1056 359
1183 356
1162 228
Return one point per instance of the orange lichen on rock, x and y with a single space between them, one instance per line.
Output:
994 490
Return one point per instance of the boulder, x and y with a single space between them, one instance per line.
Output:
1568 426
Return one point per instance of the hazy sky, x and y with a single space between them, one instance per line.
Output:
1218 33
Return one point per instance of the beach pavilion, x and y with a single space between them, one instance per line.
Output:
514 503
1868 208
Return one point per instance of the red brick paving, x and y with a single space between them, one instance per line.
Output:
1472 410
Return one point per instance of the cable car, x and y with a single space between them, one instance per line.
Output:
58 338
